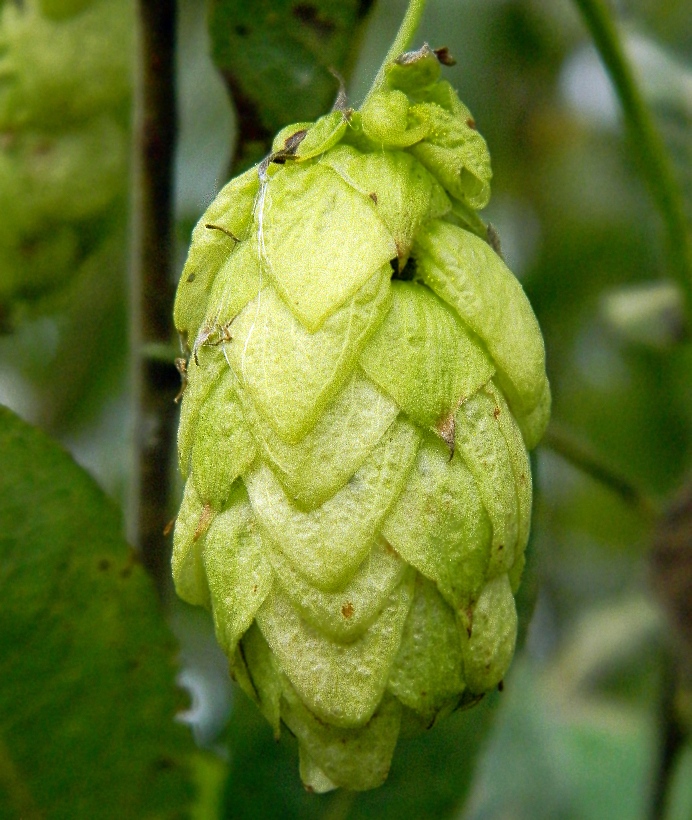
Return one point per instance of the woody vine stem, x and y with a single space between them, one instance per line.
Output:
154 379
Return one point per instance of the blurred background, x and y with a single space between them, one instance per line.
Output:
594 719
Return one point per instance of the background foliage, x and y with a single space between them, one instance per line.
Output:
602 682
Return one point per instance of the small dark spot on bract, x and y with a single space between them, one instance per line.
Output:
310 15
163 763
126 572
501 686
347 610
471 123
191 277
242 31
496 412
373 196
104 564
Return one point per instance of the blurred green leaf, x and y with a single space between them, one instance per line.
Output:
87 697
276 56
554 754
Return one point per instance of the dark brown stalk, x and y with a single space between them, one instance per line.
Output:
155 381
671 739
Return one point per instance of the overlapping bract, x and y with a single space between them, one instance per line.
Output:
365 377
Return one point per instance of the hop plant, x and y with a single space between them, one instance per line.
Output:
365 377
65 89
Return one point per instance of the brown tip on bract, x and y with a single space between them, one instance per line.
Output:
181 367
211 227
291 143
444 56
410 57
341 101
446 429
493 239
204 522
467 620
279 157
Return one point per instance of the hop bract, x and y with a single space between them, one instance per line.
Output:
365 378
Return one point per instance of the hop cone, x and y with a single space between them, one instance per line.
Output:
65 77
365 378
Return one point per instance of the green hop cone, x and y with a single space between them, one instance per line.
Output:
65 96
365 377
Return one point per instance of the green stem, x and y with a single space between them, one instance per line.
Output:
656 164
566 445
407 30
